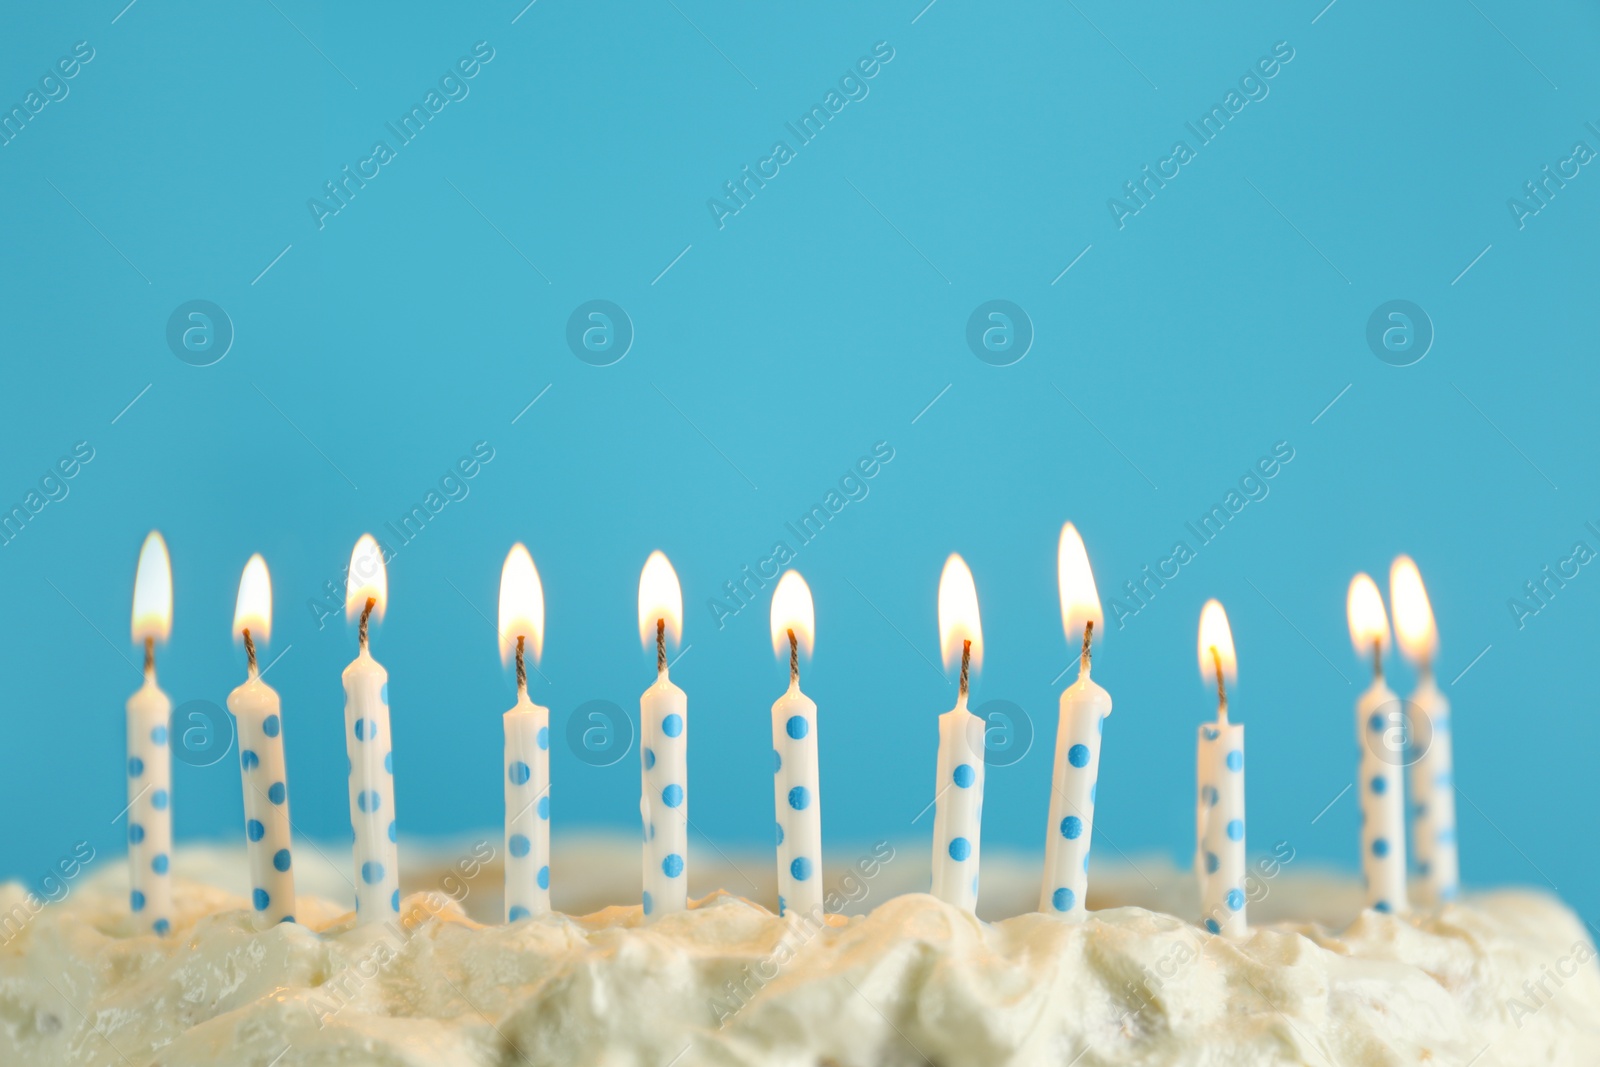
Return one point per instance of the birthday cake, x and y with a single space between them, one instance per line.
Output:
887 978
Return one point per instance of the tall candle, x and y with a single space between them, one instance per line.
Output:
1380 731
526 766
1080 722
663 748
149 715
958 786
370 745
1433 795
797 798
256 707
1219 847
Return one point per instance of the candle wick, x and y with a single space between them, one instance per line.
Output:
1083 657
661 646
1222 692
150 659
522 671
250 651
1377 660
966 662
361 635
794 659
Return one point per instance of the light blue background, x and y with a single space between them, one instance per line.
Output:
823 318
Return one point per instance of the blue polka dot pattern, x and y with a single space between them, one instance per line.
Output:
254 830
261 899
800 868
964 775
135 766
136 900
1212 863
780 832
393 833
648 903
799 798
1235 829
135 833
368 800
1236 760
543 807
394 901
388 762
1380 847
372 872
281 859
519 845
672 725
160 863
544 877
960 848
1383 906
158 735
1071 827
366 729
1209 795
1078 755
1210 733
1380 784
277 792
1235 899
158 799
1375 724
672 866
797 727
649 758
519 773
383 693
517 914
783 905
249 760
1062 899
543 737
672 795
161 927
1213 926
777 761
271 725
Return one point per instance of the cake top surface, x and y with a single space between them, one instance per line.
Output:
1499 978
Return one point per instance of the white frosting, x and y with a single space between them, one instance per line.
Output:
912 981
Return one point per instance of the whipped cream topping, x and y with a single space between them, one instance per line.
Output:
1502 978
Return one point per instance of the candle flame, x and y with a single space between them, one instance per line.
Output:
660 598
1080 600
253 610
1413 615
367 580
792 610
1216 643
152 591
1369 623
521 604
958 614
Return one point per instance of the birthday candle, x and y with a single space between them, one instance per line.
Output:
794 756
1380 731
527 751
149 748
1084 707
958 786
1433 795
1220 856
664 749
370 745
266 788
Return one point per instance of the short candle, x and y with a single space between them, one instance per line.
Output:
1380 729
1219 833
370 745
150 748
526 766
958 785
663 747
796 792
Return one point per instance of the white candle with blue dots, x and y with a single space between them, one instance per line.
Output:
149 719
797 797
1219 841
256 708
526 766
1433 794
958 786
663 748
1080 724
1380 732
369 744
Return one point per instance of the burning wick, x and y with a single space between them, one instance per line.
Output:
361 634
661 646
966 663
250 652
1083 657
1222 692
794 659
522 672
150 658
